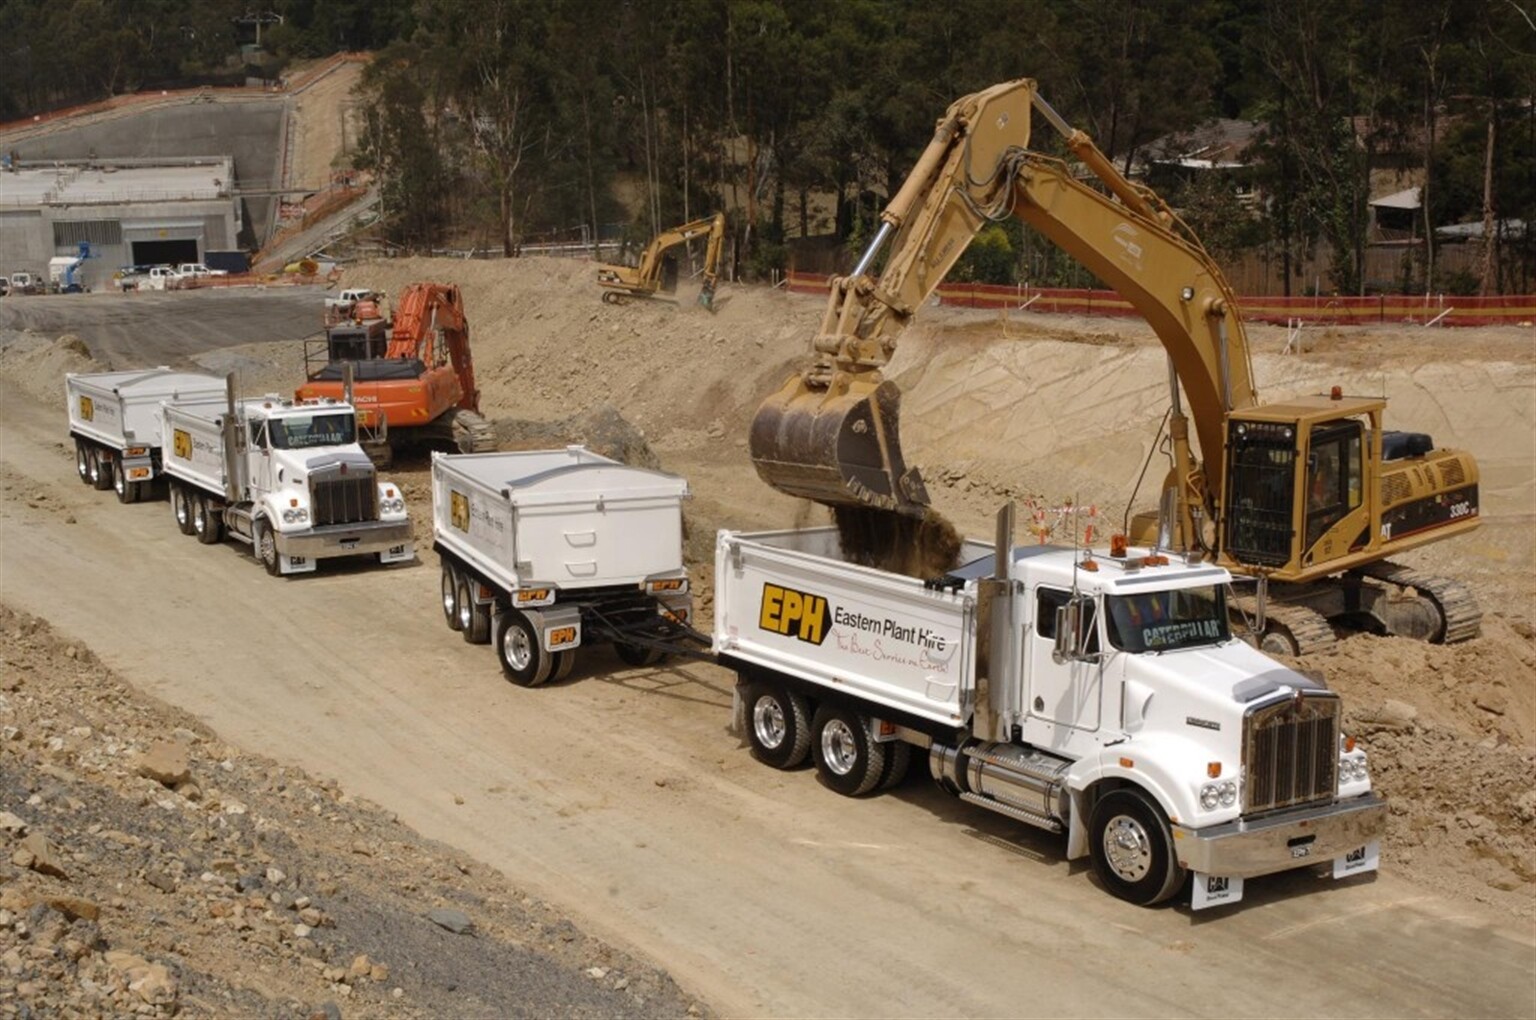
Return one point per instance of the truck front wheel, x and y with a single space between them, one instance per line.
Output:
266 548
846 759
778 725
1132 848
517 646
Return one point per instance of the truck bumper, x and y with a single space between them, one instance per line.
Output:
392 539
1247 848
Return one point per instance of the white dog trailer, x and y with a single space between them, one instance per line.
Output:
114 418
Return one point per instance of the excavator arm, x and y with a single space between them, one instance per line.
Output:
831 433
428 314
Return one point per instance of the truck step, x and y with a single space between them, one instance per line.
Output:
1018 814
1461 616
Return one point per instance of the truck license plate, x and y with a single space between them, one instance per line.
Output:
349 543
1359 860
1214 891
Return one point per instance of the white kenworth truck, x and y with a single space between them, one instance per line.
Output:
1099 696
114 419
545 551
287 478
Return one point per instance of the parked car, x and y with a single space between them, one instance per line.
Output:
24 283
191 270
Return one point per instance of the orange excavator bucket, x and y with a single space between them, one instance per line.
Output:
837 445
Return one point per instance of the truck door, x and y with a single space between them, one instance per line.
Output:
1066 693
259 454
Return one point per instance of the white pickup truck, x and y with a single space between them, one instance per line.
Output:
1098 696
195 270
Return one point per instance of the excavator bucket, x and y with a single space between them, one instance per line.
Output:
707 296
837 446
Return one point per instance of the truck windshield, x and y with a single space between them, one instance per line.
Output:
1161 621
300 432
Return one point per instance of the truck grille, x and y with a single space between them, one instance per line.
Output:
1291 753
343 500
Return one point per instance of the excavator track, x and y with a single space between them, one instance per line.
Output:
1461 618
473 433
1290 629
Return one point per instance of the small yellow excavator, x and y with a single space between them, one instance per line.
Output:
620 283
1310 496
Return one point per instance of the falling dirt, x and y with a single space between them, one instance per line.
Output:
923 547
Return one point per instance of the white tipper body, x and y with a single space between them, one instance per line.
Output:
562 519
121 411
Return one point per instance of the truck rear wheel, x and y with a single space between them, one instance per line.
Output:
101 470
846 759
474 620
450 593
778 725
181 507
523 660
565 661
898 758
206 524
83 461
1132 848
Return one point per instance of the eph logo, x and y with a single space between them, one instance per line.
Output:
87 409
794 613
458 509
181 443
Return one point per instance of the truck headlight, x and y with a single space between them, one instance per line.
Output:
1353 770
393 506
1210 796
1228 794
295 516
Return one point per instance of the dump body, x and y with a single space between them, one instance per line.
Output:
567 519
1101 697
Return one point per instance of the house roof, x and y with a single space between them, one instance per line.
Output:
1408 198
1221 142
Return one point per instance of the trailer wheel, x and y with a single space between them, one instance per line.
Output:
450 593
127 492
778 725
898 758
181 507
638 655
517 646
846 759
266 548
565 661
83 461
206 524
101 471
1132 848
474 620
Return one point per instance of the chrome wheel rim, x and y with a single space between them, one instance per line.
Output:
179 506
516 647
268 547
117 481
768 722
95 468
466 610
839 747
1127 848
82 462
450 606
200 518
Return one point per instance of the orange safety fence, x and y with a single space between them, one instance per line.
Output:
1442 309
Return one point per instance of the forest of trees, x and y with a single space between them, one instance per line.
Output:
495 121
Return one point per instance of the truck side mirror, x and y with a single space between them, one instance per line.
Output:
1069 631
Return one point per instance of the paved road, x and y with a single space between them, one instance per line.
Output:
168 327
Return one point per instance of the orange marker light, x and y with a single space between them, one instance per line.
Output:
1337 393
1117 546
1349 743
1127 763
1213 769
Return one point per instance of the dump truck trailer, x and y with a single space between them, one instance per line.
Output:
114 419
546 551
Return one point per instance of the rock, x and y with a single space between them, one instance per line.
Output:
452 920
11 824
361 966
312 917
378 973
302 931
166 763
249 883
275 876
597 973
151 982
45 856
74 907
160 880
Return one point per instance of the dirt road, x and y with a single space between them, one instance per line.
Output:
619 796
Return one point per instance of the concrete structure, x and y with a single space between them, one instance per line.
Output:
131 212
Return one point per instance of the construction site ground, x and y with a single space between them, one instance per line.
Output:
615 807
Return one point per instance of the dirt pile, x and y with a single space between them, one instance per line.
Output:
924 547
151 868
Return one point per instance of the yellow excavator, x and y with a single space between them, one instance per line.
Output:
620 283
1310 496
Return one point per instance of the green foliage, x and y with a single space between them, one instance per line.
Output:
989 259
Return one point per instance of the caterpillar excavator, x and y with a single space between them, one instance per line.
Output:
413 379
1309 496
620 283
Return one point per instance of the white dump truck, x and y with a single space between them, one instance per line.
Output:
285 477
545 551
114 419
1099 696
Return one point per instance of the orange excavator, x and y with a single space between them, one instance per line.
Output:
413 379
